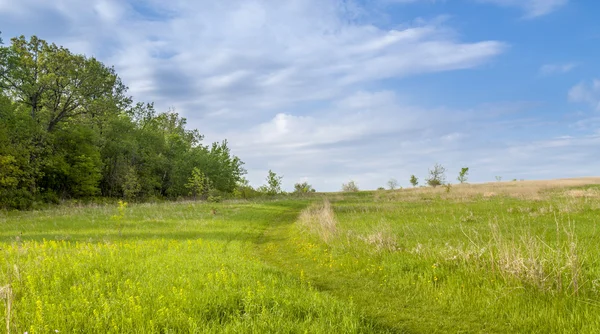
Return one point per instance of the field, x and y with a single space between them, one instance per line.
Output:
490 258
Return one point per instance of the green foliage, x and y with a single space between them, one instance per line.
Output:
463 175
392 184
198 183
68 130
273 186
437 176
414 180
350 187
131 184
303 188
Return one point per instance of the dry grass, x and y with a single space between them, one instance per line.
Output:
526 258
528 190
320 220
382 238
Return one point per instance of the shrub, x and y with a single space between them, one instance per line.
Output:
350 187
303 188
437 176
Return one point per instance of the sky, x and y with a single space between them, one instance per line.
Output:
328 91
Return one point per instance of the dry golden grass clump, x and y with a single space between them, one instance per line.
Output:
320 220
383 239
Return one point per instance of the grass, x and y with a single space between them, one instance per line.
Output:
493 258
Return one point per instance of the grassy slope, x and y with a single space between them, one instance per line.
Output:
516 257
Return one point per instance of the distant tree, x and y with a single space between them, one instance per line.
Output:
463 175
381 188
273 186
198 183
350 187
437 175
392 184
303 188
414 180
498 178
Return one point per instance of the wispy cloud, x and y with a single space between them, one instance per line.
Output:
532 8
585 92
549 69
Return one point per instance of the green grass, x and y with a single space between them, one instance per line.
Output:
409 261
171 268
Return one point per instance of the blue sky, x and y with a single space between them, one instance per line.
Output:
328 91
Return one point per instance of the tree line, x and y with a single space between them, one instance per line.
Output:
68 130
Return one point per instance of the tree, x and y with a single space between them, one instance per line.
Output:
303 188
198 183
392 184
414 180
273 186
350 187
53 87
463 175
437 175
56 84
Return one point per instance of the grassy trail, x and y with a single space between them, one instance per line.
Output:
279 245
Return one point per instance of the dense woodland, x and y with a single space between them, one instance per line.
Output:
68 130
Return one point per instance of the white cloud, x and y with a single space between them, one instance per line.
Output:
532 8
586 93
549 69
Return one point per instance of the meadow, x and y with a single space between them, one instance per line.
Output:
490 258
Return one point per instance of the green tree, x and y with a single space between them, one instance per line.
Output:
198 183
54 87
414 180
303 188
437 175
273 186
463 175
392 184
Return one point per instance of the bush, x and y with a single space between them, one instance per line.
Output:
437 175
19 199
303 188
350 187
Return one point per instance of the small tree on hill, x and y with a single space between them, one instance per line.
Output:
392 184
463 175
350 187
303 188
437 176
414 180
